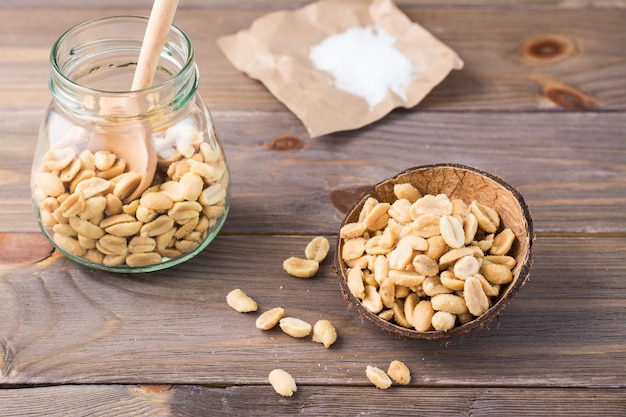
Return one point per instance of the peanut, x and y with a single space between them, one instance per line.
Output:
69 244
466 267
157 227
436 247
443 320
104 160
406 191
295 327
400 211
407 278
112 245
438 205
212 195
387 292
300 268
378 377
488 219
448 280
240 301
352 231
475 297
425 266
57 159
502 242
452 231
92 186
156 201
94 208
73 205
401 257
449 302
399 372
372 300
184 210
270 318
381 269
355 283
377 218
192 186
496 273
470 227
126 184
427 225
415 242
353 248
317 249
282 382
86 228
143 259
422 316
49 183
324 332
139 244
410 302
399 314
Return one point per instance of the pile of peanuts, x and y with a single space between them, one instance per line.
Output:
426 262
82 203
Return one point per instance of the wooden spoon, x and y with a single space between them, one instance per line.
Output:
135 147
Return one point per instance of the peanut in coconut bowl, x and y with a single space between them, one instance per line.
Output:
435 252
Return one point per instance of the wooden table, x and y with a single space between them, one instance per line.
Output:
541 102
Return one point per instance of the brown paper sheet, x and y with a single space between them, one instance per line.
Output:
275 50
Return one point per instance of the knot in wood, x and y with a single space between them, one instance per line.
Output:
548 48
285 143
569 98
344 198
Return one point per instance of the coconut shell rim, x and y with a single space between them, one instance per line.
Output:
494 311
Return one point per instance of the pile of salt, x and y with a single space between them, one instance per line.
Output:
365 62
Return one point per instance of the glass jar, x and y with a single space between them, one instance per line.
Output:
127 181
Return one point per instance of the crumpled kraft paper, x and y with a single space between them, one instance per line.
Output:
275 50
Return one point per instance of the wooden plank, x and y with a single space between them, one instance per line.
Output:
62 323
192 401
121 4
573 66
569 167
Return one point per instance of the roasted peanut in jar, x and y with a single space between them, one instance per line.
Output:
85 182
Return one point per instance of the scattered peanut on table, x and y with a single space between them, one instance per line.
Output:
378 377
282 382
397 372
240 301
323 331
315 252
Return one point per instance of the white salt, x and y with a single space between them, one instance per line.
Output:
365 62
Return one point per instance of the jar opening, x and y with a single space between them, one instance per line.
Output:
95 61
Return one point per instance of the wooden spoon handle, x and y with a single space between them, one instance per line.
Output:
159 24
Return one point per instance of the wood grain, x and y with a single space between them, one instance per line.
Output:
540 102
498 76
67 324
577 183
310 400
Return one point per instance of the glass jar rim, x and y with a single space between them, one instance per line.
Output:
188 65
